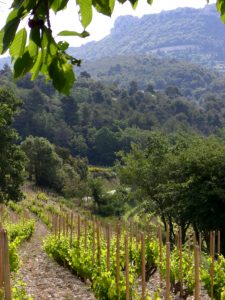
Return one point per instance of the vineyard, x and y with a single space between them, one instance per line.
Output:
117 260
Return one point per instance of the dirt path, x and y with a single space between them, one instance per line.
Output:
45 279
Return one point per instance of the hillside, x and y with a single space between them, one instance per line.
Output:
98 120
195 35
192 80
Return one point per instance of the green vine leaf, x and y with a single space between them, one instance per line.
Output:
18 45
85 11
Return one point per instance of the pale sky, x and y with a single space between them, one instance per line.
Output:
101 25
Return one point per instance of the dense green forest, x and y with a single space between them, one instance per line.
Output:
192 80
98 120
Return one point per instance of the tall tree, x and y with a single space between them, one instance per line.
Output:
12 158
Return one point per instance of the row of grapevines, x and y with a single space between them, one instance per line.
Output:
188 272
40 212
88 264
18 233
19 291
15 207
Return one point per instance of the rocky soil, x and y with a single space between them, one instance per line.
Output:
44 278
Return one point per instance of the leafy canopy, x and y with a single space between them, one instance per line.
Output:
12 158
35 50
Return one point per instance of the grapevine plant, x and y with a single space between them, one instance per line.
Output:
93 267
17 233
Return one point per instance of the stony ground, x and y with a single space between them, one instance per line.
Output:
44 278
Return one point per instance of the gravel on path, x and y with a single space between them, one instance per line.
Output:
45 279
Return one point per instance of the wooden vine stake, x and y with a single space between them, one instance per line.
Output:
78 231
93 242
4 266
71 229
168 271
127 268
197 267
212 254
218 243
143 285
67 224
131 232
59 229
137 236
1 258
54 225
160 254
108 247
189 253
200 246
64 225
118 261
85 234
181 262
98 244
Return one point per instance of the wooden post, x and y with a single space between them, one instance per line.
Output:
194 239
108 248
181 261
6 269
127 268
93 242
85 234
137 237
1 258
189 253
200 246
98 244
197 266
5 284
67 224
143 265
168 270
131 232
64 225
118 261
53 223
212 243
218 242
54 228
71 229
160 254
59 232
78 231
167 233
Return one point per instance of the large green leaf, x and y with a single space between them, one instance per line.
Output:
73 33
85 11
35 36
23 64
7 34
37 66
134 3
18 45
58 5
104 7
32 48
62 75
